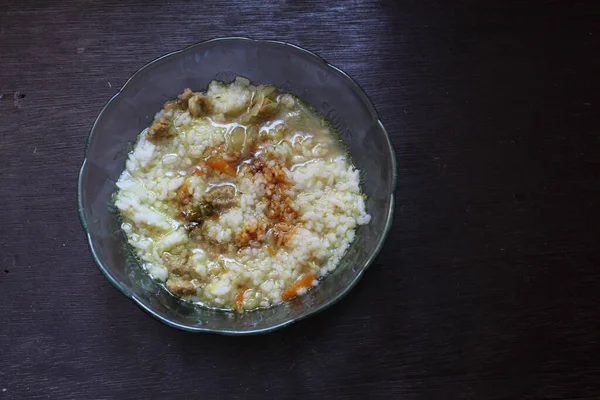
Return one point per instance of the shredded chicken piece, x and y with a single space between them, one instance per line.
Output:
159 129
192 212
177 264
171 105
183 195
184 97
221 197
196 214
181 102
198 105
180 287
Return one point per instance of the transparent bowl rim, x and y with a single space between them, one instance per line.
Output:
389 214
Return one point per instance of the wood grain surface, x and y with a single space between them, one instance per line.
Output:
488 286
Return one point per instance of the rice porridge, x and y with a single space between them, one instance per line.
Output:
240 197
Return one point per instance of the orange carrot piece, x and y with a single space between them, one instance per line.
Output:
292 290
239 301
221 165
270 250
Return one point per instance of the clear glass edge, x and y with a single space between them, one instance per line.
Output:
327 304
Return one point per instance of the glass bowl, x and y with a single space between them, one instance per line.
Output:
291 69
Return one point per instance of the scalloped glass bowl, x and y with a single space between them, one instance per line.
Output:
288 67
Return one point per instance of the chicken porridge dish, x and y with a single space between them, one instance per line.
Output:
240 197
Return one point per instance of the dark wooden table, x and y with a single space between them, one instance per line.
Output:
488 286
